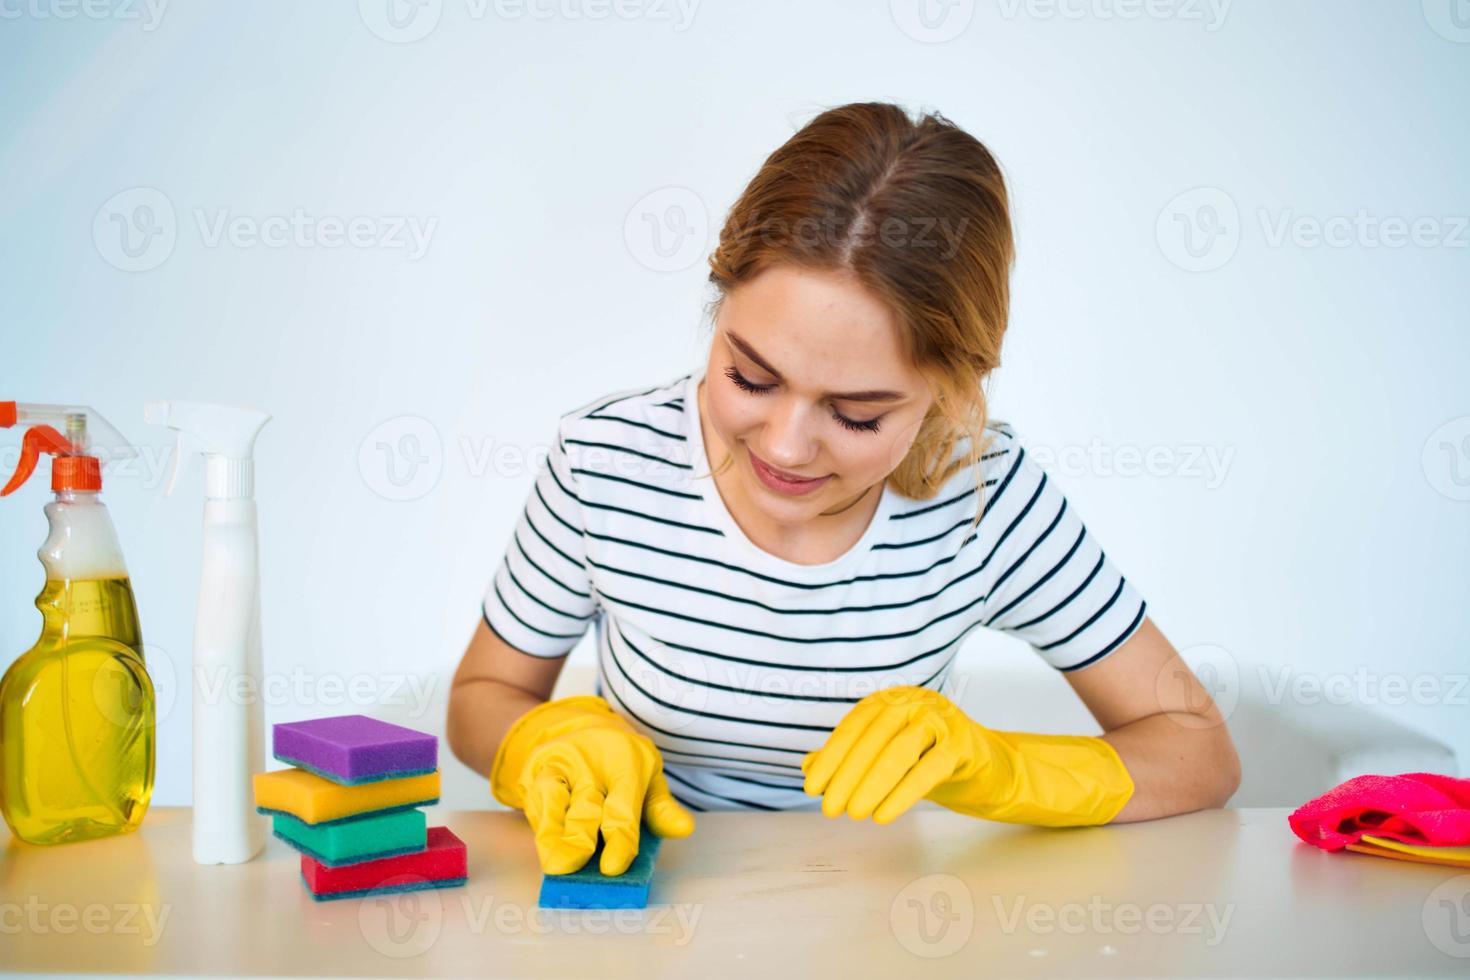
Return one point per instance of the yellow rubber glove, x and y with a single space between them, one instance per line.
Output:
575 766
903 744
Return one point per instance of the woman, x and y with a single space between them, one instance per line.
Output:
784 550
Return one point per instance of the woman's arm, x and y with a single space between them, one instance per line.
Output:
1163 724
494 685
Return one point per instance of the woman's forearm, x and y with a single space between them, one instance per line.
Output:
1178 761
481 711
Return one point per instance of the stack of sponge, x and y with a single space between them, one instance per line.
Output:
351 806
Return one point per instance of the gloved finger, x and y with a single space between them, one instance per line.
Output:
621 813
860 759
546 810
664 814
935 767
583 818
826 759
543 799
895 760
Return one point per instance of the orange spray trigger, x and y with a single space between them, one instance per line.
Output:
38 439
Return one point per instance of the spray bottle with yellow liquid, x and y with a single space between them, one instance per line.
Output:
76 709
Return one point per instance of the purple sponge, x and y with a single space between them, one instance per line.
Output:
352 749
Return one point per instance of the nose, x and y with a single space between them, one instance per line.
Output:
788 441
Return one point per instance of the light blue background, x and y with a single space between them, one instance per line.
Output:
1334 540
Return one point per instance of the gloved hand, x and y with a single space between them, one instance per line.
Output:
575 766
903 744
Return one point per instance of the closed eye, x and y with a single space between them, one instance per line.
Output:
744 383
867 425
852 425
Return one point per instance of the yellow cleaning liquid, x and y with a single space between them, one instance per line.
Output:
77 718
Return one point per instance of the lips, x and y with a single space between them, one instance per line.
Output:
782 481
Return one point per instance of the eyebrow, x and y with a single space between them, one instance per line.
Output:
878 395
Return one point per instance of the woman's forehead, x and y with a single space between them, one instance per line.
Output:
817 329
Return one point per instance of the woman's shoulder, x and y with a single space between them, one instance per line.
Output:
630 427
1000 449
641 398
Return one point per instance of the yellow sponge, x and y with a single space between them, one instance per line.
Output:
314 800
1459 855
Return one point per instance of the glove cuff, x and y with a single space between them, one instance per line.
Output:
1044 780
546 720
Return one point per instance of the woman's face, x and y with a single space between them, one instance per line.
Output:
808 389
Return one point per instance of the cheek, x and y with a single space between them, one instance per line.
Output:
732 412
894 440
864 456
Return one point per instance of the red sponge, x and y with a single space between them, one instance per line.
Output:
443 864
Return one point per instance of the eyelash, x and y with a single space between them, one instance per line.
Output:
745 384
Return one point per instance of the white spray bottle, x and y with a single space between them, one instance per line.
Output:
229 736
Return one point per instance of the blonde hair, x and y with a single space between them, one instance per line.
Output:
917 212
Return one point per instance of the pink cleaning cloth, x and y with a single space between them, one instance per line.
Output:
1416 807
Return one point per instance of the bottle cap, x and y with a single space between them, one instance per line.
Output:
75 473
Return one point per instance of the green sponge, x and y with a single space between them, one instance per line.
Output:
359 839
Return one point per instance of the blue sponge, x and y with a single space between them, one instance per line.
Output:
589 888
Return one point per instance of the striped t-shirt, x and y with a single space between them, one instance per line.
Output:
736 662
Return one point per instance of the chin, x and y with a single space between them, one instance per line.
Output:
783 510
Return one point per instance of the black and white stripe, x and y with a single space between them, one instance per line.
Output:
735 662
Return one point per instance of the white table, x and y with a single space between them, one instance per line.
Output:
1218 893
